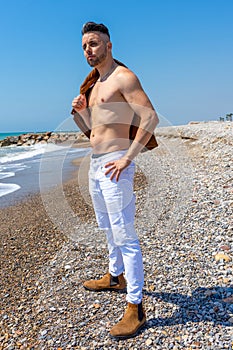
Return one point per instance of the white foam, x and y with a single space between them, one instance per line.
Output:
10 169
12 160
5 175
8 188
16 153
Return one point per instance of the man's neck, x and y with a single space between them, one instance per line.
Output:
107 70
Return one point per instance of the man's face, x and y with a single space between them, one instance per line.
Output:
94 47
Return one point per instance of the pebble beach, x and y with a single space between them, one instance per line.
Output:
50 244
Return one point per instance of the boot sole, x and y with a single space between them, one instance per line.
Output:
122 337
106 289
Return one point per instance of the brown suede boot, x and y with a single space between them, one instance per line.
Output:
107 282
134 318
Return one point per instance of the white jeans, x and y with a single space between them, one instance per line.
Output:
114 205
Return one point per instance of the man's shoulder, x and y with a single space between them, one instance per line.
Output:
124 74
124 70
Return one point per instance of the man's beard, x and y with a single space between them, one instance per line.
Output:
97 60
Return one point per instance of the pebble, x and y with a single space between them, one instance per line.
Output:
149 342
222 257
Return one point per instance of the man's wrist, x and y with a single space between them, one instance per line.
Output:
128 158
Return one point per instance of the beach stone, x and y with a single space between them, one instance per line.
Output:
52 309
149 341
67 267
225 247
222 256
228 300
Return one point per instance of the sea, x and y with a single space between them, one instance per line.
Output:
24 168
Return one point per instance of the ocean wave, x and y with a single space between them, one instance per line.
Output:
11 169
14 160
16 153
5 175
8 188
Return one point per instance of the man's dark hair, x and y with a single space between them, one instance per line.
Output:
95 27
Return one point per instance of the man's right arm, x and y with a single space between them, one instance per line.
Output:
81 114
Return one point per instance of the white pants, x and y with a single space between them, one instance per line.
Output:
114 205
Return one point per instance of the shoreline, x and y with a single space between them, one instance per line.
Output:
35 169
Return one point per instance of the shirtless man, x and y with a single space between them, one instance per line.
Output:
113 99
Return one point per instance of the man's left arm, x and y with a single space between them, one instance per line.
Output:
135 96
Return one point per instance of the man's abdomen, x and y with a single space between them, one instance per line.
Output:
106 139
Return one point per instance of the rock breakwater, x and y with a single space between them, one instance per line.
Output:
46 137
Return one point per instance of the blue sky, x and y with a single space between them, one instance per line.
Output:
182 51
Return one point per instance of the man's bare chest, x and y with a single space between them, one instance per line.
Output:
104 93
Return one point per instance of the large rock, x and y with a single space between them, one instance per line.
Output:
8 141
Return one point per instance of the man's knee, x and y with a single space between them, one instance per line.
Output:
124 235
